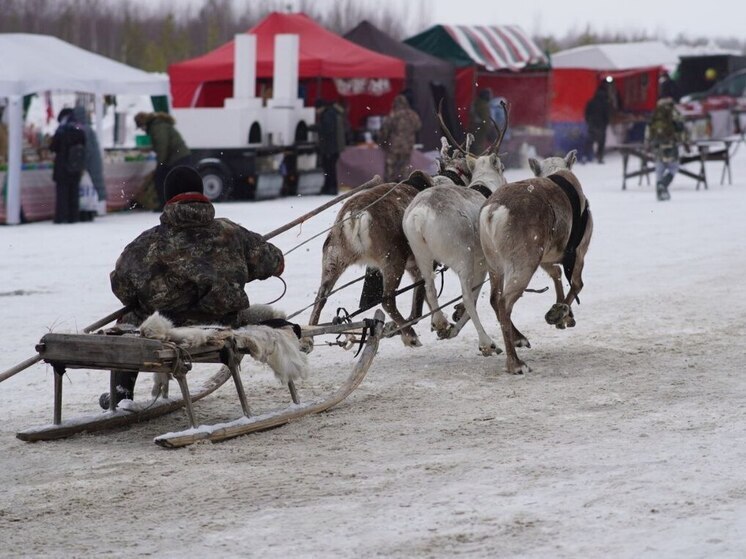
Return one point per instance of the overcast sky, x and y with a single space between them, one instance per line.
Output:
668 18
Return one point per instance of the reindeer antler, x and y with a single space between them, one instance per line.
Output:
501 133
445 128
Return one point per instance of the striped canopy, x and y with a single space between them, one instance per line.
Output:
495 47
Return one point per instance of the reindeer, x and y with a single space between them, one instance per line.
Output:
441 224
368 231
543 221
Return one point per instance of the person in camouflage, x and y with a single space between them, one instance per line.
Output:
663 136
168 145
192 268
397 139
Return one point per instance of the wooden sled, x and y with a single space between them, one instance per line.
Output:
134 353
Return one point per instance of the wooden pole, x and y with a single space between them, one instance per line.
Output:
375 181
32 360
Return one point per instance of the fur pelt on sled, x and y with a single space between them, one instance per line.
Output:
277 347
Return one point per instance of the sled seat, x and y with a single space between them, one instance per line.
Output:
136 354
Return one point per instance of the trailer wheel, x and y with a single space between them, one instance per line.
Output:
217 184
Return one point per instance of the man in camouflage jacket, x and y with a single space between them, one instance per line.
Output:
192 268
397 138
664 134
168 145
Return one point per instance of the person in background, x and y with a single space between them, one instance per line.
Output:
192 268
597 116
168 145
3 137
667 87
663 136
397 138
481 126
328 129
94 163
68 145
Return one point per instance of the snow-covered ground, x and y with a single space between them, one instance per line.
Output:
627 439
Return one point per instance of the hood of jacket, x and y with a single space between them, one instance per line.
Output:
188 214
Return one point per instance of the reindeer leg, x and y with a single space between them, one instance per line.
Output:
470 295
418 294
439 323
560 314
329 276
392 275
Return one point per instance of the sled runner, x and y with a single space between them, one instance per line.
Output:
132 352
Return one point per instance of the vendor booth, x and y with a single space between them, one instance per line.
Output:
329 67
634 69
502 58
429 79
39 63
505 60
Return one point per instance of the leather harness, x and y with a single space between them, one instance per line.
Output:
579 223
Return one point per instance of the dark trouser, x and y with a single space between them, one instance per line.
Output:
160 178
396 167
596 135
67 202
329 166
372 293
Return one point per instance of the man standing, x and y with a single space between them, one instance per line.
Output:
597 116
68 145
328 121
168 145
192 268
664 134
397 138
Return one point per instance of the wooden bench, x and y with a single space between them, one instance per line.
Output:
704 151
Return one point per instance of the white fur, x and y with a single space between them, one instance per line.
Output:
277 347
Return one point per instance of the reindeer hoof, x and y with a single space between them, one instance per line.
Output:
570 322
490 350
522 342
519 368
557 313
411 341
306 345
458 312
389 329
447 333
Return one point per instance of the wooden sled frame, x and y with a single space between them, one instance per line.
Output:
91 351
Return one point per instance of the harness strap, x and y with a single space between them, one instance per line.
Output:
482 189
579 223
454 176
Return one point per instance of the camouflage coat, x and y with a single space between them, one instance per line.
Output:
168 144
666 131
192 267
397 138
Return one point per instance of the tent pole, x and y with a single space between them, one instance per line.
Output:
15 159
98 108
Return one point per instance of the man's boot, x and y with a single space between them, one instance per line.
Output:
125 388
660 191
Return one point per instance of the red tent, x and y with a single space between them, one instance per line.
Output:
207 80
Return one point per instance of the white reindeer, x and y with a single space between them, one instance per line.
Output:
441 225
543 221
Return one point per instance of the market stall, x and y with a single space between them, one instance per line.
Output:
38 63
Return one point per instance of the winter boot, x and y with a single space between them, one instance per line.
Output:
660 191
125 388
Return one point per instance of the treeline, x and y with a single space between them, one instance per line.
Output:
151 35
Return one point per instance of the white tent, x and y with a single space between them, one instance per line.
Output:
33 63
617 56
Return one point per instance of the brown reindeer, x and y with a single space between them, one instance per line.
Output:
527 224
368 231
